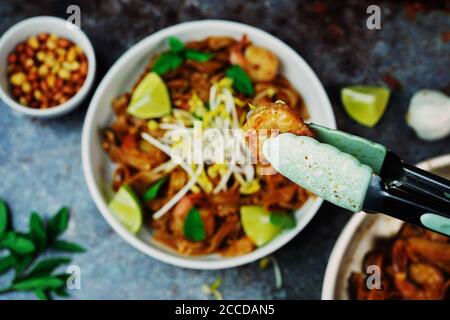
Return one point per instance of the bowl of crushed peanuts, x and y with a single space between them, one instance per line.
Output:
47 67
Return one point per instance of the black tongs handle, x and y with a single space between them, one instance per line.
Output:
397 173
418 180
417 209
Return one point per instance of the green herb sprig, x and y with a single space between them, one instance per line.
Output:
194 228
21 252
178 53
283 220
241 80
152 192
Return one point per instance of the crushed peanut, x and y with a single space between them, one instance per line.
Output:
46 70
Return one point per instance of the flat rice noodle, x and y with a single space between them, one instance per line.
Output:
218 43
137 159
142 180
205 67
226 202
238 247
200 83
227 228
177 180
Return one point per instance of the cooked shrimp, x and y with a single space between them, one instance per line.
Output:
261 64
268 120
429 280
431 250
182 209
277 116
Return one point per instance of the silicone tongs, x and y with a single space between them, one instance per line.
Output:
358 174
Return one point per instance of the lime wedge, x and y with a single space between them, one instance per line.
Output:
126 208
150 99
365 104
257 225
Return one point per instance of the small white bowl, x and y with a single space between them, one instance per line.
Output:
33 26
359 236
97 166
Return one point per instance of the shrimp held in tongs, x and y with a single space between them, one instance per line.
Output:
277 116
350 171
268 120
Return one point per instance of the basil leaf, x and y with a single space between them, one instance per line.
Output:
283 220
241 81
176 45
152 192
67 246
22 262
3 218
47 266
194 228
18 243
61 292
198 55
37 230
42 295
40 283
6 263
167 61
58 223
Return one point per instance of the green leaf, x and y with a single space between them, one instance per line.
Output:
167 61
22 262
67 246
58 224
176 45
18 243
198 55
37 230
6 263
283 220
241 81
47 266
194 228
61 292
3 218
152 192
42 295
39 283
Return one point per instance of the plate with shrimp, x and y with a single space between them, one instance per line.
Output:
377 257
187 204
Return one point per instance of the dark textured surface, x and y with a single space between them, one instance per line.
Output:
40 166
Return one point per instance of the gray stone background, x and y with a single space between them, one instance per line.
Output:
40 164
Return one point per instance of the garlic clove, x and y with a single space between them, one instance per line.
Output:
429 114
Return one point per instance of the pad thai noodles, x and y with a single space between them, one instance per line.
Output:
226 207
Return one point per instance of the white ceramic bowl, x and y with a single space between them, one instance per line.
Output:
33 26
97 167
358 238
